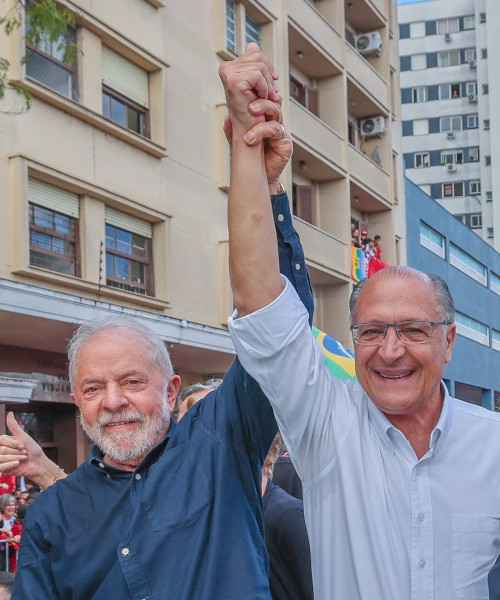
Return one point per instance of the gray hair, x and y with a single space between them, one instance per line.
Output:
5 500
153 343
201 386
441 289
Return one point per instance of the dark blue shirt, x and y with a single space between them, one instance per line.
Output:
494 581
187 523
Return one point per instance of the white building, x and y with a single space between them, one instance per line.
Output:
450 74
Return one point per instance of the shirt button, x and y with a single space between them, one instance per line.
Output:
297 266
281 218
421 517
138 476
125 551
418 470
421 564
101 465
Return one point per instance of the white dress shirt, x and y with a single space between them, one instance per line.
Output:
382 524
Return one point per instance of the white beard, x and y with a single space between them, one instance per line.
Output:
128 445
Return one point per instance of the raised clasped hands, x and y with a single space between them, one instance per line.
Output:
254 107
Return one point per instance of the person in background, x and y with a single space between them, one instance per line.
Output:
6 583
378 247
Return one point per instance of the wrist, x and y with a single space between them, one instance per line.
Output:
275 188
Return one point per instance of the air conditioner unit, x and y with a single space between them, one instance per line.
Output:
472 98
472 63
451 168
447 37
450 135
367 43
372 127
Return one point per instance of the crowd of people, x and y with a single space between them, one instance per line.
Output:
371 247
399 482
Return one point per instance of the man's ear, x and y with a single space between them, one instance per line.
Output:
174 385
451 334
73 398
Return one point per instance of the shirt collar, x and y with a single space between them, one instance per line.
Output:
96 457
385 429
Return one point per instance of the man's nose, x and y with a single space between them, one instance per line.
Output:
392 347
114 397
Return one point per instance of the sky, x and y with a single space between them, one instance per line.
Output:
410 1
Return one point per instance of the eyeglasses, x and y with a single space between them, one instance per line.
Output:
409 332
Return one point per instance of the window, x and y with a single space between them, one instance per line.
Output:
231 26
253 30
486 124
431 239
486 89
419 94
420 126
417 29
473 154
305 95
476 220
482 17
418 62
426 188
450 123
450 58
448 25
494 279
471 87
472 121
469 22
129 264
46 64
469 54
422 159
53 225
484 52
487 160
472 329
125 92
453 190
450 157
489 196
303 203
495 339
475 187
489 231
449 90
461 218
468 265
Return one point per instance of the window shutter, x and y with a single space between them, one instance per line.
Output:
54 198
128 222
312 100
305 204
124 77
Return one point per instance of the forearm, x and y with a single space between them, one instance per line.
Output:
253 260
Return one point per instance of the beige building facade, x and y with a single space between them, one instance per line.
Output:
114 183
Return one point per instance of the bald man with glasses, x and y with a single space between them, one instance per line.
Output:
401 485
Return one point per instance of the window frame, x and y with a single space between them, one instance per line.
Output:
454 189
469 22
448 54
417 92
425 159
427 235
454 155
477 187
472 121
447 25
128 103
453 120
71 238
127 285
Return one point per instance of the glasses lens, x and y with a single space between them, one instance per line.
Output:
415 333
370 333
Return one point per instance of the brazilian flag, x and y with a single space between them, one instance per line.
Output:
338 358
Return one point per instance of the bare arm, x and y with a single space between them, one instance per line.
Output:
253 263
21 455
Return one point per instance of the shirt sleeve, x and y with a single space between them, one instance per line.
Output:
313 409
34 572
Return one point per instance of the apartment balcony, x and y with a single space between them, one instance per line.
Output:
370 176
365 76
314 135
324 253
365 15
312 40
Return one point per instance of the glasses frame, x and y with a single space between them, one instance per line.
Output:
355 326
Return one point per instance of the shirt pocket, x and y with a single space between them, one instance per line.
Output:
178 490
476 541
